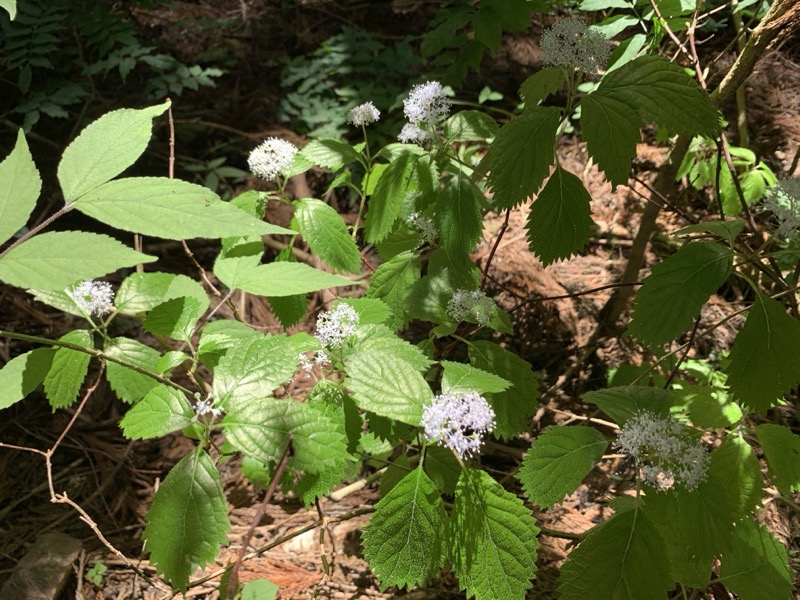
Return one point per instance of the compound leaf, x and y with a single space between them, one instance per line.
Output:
676 289
406 539
493 540
560 220
558 461
64 380
759 372
163 410
20 189
188 520
324 230
782 451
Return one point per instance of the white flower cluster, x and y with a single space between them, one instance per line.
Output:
363 114
271 158
570 43
335 326
318 358
664 451
458 421
424 225
476 303
411 133
783 201
424 107
208 407
94 297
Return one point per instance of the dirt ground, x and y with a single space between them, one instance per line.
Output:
113 479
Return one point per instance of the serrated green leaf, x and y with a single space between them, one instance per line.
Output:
458 377
371 311
493 547
238 258
757 565
710 407
386 202
188 520
560 221
516 405
676 289
23 374
558 461
623 403
279 279
57 259
318 441
128 384
406 539
105 148
382 343
520 156
20 188
443 468
458 218
541 84
64 380
758 372
142 292
259 589
389 388
734 465
782 451
392 282
330 154
646 88
727 230
217 337
253 368
623 559
341 409
174 318
470 126
324 230
170 360
169 208
162 411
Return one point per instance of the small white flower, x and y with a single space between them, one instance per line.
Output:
335 326
411 133
425 227
363 114
94 297
319 358
664 451
208 407
464 303
271 158
570 43
458 421
783 200
426 102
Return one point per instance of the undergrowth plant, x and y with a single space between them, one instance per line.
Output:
422 404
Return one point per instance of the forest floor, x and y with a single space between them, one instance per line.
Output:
113 479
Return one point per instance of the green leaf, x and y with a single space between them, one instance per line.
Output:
390 388
289 310
757 565
782 451
239 257
392 282
330 154
279 279
406 539
558 461
758 372
20 188
259 589
174 318
386 203
64 380
253 368
129 385
512 407
623 559
23 374
709 407
623 403
443 468
371 311
319 442
458 377
327 235
470 126
727 230
458 216
521 155
169 208
541 84
217 337
142 292
10 6
57 259
162 411
105 148
646 88
676 289
493 540
560 221
735 467
188 520
381 343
